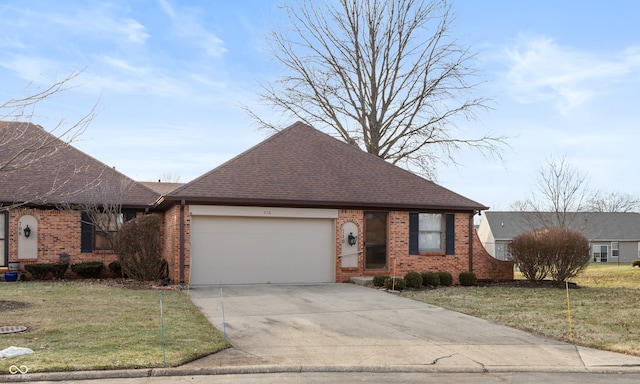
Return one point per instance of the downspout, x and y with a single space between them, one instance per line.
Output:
471 237
182 203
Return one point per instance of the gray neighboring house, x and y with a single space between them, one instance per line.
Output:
614 236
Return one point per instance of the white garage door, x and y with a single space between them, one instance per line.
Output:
271 248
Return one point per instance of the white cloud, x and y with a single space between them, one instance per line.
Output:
132 30
187 26
541 70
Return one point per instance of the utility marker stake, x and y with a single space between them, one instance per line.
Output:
164 356
569 312
224 325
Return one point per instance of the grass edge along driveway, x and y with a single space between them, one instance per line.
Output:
605 309
85 325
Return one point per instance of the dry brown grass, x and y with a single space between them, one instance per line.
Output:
605 308
89 326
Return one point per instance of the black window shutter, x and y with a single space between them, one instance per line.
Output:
450 234
129 215
86 233
413 234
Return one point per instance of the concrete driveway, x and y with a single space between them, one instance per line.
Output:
343 327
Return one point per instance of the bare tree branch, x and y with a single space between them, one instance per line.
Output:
613 202
22 147
103 205
561 191
383 75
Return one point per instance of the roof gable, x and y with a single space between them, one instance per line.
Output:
609 226
39 168
301 166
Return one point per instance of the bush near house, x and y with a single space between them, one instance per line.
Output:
378 281
413 279
559 252
395 283
89 269
138 246
42 270
446 279
115 268
636 264
468 279
431 279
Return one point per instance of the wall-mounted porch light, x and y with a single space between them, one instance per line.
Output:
27 231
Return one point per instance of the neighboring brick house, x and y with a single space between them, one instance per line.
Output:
41 179
300 207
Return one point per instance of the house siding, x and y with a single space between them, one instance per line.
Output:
628 251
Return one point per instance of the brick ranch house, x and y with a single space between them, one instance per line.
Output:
300 207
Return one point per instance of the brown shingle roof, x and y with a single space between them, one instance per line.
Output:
161 187
39 168
301 166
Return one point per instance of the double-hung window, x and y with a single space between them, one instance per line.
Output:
615 249
97 232
106 226
431 233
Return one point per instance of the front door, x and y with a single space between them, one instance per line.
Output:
600 253
375 240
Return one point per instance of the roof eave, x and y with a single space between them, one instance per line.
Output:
168 200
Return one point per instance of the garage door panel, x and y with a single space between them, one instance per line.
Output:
241 250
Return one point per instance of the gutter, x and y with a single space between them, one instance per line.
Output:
181 263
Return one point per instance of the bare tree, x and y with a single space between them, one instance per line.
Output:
102 205
561 191
384 75
22 148
169 177
613 202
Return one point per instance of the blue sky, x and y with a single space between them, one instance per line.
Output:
169 77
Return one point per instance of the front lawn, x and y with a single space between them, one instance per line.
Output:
605 308
87 325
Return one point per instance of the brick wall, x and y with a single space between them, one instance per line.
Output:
356 217
171 248
58 232
400 261
487 267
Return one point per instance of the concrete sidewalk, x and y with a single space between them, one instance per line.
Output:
348 327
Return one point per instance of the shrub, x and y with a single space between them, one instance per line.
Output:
467 279
59 269
446 279
569 253
116 268
395 283
635 264
431 279
138 245
38 271
413 279
41 271
527 252
378 281
561 252
89 269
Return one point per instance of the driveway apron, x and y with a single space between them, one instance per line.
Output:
346 326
